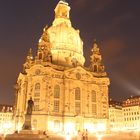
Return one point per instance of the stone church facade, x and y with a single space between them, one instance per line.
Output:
67 96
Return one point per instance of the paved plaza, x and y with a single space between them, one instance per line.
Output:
118 136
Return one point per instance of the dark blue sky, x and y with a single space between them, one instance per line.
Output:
114 23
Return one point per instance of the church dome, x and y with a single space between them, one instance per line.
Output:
64 37
66 44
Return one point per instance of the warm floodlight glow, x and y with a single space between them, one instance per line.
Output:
99 137
69 128
89 127
68 137
7 125
101 127
7 128
40 40
19 127
128 85
50 124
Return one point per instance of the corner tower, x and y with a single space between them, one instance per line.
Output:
66 44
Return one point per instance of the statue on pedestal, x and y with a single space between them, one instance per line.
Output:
27 123
30 107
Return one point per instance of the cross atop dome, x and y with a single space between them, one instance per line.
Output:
63 2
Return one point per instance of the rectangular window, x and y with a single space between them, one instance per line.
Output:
36 104
57 124
36 100
36 107
56 91
37 93
77 107
94 109
56 106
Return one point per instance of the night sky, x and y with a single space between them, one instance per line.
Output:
114 23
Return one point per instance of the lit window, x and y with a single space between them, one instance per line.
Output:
36 100
77 107
57 91
36 104
37 90
56 124
94 109
95 68
93 96
77 101
36 107
40 55
56 105
77 93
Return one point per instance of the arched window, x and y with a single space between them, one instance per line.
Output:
57 91
94 109
37 90
77 93
36 104
93 96
56 98
95 68
40 55
77 101
93 100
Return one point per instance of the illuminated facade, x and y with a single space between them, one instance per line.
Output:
131 109
6 118
67 96
115 115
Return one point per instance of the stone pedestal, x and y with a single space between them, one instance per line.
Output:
28 136
27 123
27 133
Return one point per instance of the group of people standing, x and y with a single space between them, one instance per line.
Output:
83 135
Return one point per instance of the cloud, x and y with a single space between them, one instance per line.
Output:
128 85
92 5
112 49
79 4
131 69
122 18
100 5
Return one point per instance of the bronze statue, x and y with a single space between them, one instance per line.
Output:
30 106
27 124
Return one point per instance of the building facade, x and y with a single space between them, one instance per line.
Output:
6 119
131 110
115 115
67 95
